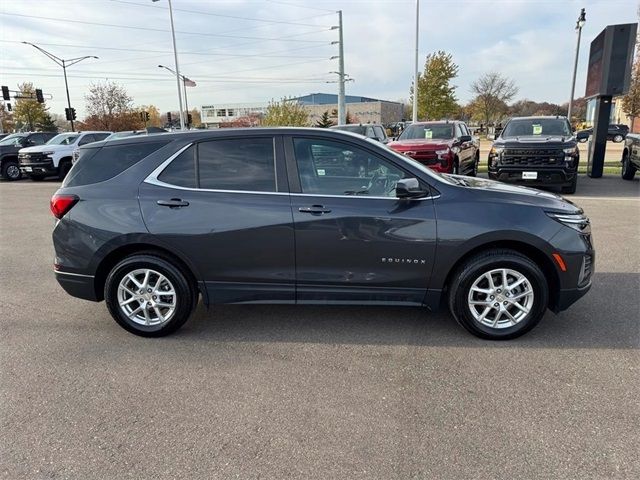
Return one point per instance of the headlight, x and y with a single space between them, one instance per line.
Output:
496 150
577 221
48 153
571 151
442 152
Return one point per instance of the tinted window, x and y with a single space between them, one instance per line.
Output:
37 139
240 164
87 139
334 168
100 136
100 164
182 170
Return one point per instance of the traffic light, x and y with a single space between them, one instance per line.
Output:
5 93
169 118
39 96
8 107
70 113
189 119
146 116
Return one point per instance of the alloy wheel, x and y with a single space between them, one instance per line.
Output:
500 298
147 297
13 172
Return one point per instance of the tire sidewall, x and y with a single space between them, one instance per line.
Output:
5 171
459 296
618 138
184 294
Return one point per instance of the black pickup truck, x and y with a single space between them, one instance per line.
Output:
11 144
536 151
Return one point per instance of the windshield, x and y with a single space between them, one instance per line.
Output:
13 139
64 139
536 126
435 131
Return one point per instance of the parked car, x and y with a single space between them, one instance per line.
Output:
373 131
631 156
616 133
151 223
11 145
123 134
446 147
55 157
3 135
536 151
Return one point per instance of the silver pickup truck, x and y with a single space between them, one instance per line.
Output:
631 156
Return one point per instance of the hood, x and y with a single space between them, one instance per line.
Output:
8 148
535 140
520 194
47 148
421 144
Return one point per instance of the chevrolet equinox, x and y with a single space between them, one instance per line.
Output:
308 216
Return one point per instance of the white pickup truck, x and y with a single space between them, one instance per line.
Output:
54 157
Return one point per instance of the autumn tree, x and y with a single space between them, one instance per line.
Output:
286 112
196 119
110 108
436 94
324 121
631 101
6 117
155 119
493 92
27 112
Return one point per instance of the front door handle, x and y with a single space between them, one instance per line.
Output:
173 203
315 210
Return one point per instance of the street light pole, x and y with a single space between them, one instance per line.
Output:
342 107
64 64
184 86
579 24
175 55
414 117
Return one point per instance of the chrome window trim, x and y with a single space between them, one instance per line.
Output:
152 179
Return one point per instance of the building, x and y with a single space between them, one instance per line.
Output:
360 109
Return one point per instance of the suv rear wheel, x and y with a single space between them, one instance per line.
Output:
498 295
149 296
11 170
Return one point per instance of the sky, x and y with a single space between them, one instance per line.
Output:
248 51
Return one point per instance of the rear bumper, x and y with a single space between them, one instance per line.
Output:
76 285
546 176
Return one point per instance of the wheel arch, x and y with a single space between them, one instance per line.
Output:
114 256
536 254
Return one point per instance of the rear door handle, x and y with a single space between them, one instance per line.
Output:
173 203
315 210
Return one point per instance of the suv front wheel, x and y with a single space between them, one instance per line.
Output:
498 295
11 170
149 296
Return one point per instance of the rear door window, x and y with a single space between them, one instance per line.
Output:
246 164
99 164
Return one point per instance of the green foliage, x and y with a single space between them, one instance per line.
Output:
324 121
286 112
47 124
28 113
436 94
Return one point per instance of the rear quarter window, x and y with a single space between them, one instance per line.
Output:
99 164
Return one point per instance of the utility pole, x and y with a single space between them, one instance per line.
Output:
342 108
64 64
415 66
579 24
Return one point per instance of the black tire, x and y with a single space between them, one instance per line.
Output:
185 294
628 170
63 169
618 138
455 169
484 262
11 170
571 189
476 163
37 178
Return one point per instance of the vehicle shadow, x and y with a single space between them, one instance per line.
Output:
607 317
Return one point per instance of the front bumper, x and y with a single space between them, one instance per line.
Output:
566 298
39 168
545 176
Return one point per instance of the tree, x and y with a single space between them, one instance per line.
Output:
436 94
6 117
154 116
350 118
110 108
47 124
196 119
631 101
493 91
28 112
251 120
324 121
286 112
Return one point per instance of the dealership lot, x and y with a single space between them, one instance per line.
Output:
317 392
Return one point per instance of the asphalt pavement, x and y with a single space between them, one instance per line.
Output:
317 392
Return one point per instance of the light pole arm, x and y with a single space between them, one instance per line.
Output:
59 61
73 61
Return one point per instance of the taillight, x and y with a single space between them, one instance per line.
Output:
61 204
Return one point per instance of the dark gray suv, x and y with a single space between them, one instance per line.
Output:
308 216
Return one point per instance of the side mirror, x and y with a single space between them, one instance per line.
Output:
409 188
465 138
